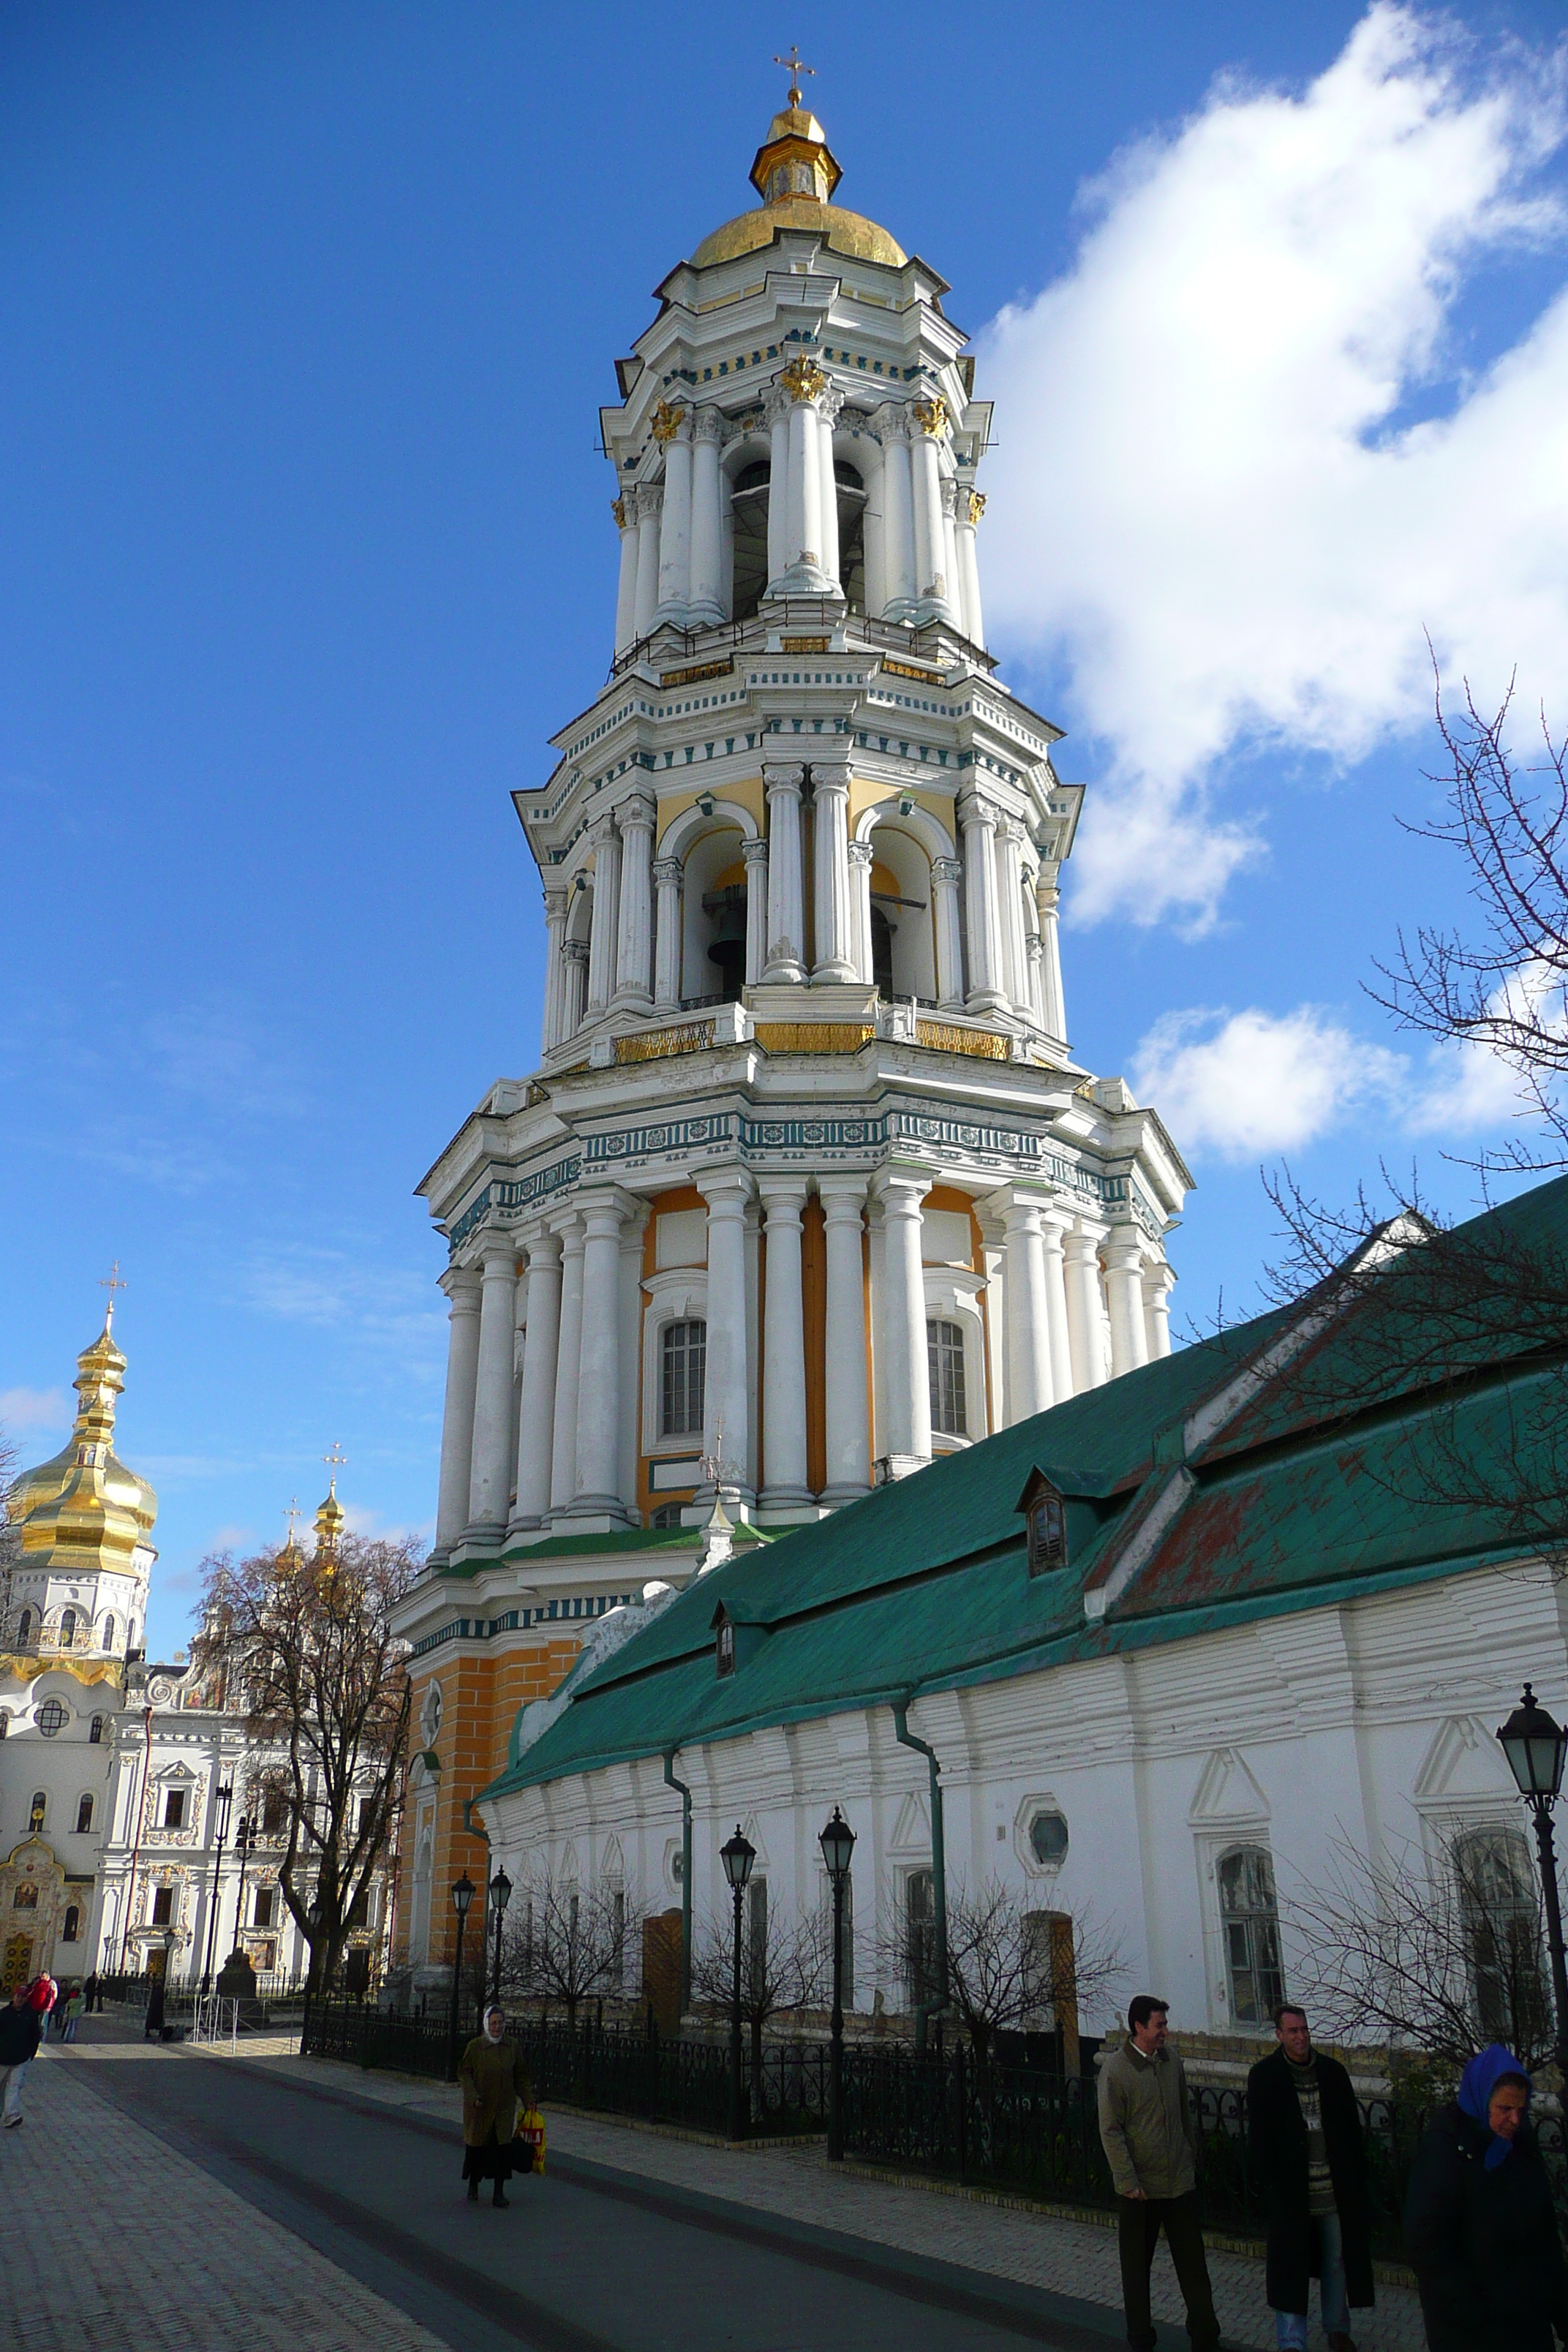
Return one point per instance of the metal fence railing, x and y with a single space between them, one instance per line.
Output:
1024 2128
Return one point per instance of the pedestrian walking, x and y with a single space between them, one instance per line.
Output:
494 2078
1308 2152
75 2002
92 1993
21 2030
153 2023
1479 2227
1146 2131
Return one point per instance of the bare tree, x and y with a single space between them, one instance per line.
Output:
567 1943
1012 1967
786 1964
1432 1956
10 1530
305 1647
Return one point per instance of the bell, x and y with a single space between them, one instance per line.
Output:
727 948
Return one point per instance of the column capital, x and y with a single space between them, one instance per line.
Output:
461 1284
949 495
973 508
842 1197
540 1240
1081 1246
556 902
727 1190
575 951
569 1226
948 870
711 424
928 416
754 852
624 520
974 809
1010 829
605 1202
891 421
638 808
830 775
861 853
777 402
782 1192
899 1191
1159 1276
649 498
1123 1252
667 870
784 780
602 830
497 1249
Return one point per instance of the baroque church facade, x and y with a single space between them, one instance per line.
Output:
807 1188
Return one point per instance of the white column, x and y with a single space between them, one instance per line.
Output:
1125 1300
861 859
1053 1013
776 409
536 1420
606 914
1010 893
844 1386
667 936
946 873
949 495
629 1437
563 1437
573 988
897 511
626 586
803 516
928 421
597 1481
830 830
728 1193
874 533
706 600
650 499
971 507
675 526
783 1347
786 932
827 408
461 1284
490 1483
901 1322
754 855
1057 1324
1086 1316
1028 1330
1158 1283
554 971
978 819
635 941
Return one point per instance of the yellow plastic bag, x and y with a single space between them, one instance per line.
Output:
530 2137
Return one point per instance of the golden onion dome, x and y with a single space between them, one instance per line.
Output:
100 1380
796 174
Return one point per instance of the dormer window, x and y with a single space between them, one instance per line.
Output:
724 1643
1045 1518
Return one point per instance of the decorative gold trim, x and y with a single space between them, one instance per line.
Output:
28 1669
976 504
908 669
813 1037
698 670
653 1044
803 379
931 414
618 508
804 644
946 1037
666 422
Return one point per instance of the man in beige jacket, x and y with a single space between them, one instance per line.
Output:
1147 2136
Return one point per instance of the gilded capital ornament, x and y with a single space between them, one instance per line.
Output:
976 504
931 414
666 422
618 508
803 379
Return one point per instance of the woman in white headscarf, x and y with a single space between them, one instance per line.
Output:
494 2078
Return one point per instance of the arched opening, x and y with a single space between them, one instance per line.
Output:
24 1629
109 1632
851 533
749 538
903 937
881 950
83 1815
68 1628
713 964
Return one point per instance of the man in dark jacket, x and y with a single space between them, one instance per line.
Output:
1304 2139
21 2029
1479 2228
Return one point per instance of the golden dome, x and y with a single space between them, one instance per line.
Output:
83 1506
796 174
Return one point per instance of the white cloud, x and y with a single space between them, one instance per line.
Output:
1205 497
22 1409
1238 1083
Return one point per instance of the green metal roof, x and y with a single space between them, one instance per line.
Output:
925 1585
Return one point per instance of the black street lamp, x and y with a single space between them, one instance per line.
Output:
500 1895
737 1857
837 1844
224 1800
1536 1747
242 1844
463 1893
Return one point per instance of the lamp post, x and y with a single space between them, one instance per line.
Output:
242 1842
314 1916
1536 1747
500 1895
463 1893
737 1857
224 1800
837 1844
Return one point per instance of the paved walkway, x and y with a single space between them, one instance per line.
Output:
1000 2241
108 2237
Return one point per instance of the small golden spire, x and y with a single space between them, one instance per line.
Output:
796 70
330 1516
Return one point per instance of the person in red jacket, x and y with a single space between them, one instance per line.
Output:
21 2030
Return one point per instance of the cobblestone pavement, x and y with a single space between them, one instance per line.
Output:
1004 2241
108 2237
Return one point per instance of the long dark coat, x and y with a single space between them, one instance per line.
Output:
1276 2148
494 2078
1484 2245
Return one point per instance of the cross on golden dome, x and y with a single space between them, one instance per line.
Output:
796 70
335 1461
111 1282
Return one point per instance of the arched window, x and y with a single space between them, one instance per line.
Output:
51 1718
83 1815
95 1732
24 1629
851 533
944 1349
1502 1916
683 1355
920 1935
36 1811
724 1645
748 511
667 1516
68 1628
883 952
72 1932
1249 1918
109 1632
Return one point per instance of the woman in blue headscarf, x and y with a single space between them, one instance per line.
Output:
1479 2227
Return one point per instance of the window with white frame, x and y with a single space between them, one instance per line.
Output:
683 1368
1249 1923
1499 1915
944 1351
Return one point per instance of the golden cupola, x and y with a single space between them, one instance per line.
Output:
330 1516
796 174
83 1512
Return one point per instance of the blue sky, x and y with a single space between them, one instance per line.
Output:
308 311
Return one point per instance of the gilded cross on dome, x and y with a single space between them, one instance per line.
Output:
111 1282
796 70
